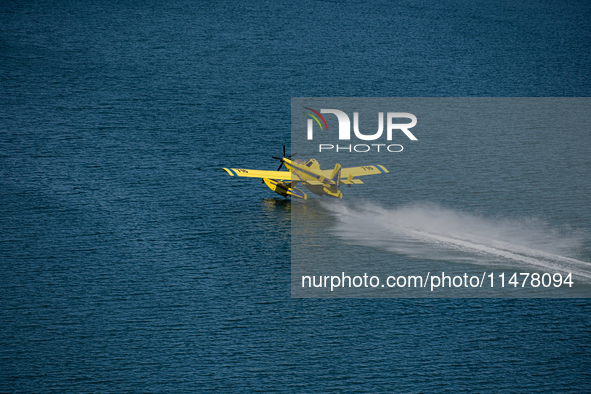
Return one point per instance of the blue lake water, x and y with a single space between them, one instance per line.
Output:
129 261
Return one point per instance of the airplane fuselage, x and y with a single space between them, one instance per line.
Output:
312 178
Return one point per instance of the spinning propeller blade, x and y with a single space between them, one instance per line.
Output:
281 158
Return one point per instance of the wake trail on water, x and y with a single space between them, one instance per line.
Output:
429 231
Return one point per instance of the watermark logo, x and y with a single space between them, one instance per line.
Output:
345 129
310 124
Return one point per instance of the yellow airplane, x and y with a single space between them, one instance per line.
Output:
309 174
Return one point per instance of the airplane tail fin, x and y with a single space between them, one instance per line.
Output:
336 175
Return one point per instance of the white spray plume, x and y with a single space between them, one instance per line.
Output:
429 231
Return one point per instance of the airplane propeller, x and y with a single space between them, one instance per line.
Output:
281 158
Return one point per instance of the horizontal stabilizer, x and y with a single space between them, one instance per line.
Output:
352 182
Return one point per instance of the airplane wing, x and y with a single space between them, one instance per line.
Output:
279 175
358 171
365 170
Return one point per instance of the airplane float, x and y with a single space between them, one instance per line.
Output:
309 174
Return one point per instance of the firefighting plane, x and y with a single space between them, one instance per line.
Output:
309 174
